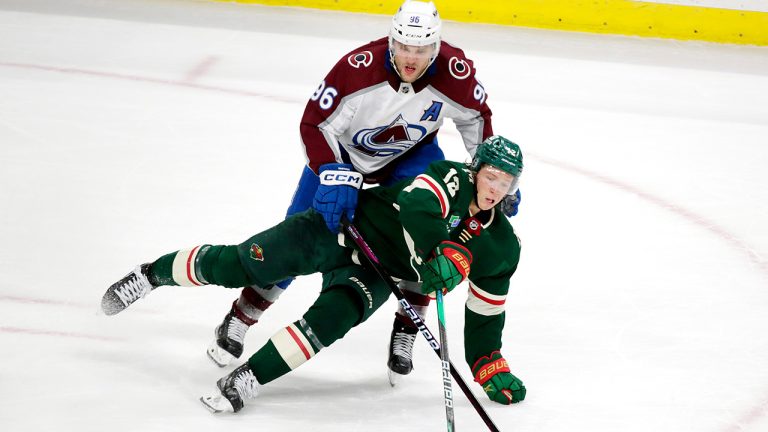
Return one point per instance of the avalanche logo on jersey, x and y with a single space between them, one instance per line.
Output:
388 140
364 59
459 68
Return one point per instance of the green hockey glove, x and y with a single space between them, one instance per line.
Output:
448 268
492 372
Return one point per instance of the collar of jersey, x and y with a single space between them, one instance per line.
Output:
485 216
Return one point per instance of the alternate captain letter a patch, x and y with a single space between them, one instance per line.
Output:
433 112
257 253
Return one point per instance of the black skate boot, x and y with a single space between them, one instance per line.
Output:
127 290
235 388
400 350
230 335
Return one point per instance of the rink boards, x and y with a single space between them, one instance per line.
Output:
744 22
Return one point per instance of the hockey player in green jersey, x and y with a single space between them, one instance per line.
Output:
439 228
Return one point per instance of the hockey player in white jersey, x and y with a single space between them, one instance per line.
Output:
374 118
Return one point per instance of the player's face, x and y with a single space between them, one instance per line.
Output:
411 60
492 185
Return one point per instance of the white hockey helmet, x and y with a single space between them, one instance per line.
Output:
416 23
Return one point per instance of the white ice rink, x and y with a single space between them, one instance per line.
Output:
129 129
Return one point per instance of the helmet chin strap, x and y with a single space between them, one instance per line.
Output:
394 66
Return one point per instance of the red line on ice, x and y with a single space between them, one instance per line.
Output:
759 410
686 214
57 334
126 77
31 300
52 302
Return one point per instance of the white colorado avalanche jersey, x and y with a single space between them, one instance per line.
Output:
363 114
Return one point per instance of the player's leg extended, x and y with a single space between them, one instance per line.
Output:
200 265
350 295
334 312
234 266
254 300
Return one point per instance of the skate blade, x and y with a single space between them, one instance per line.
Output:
394 377
219 355
217 404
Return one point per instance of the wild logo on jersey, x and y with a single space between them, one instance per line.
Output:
257 252
388 140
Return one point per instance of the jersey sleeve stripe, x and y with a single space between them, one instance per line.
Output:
436 189
484 303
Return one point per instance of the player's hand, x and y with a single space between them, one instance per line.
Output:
510 203
448 268
337 193
492 373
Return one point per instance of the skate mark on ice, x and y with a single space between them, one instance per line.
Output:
27 331
200 69
53 302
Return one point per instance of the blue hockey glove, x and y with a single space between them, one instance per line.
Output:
337 193
509 204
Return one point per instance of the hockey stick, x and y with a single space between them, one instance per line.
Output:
445 361
354 234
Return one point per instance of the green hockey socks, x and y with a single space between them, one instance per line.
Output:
333 314
200 265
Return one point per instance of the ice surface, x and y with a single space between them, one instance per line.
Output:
129 129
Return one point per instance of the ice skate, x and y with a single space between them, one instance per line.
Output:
127 290
400 351
230 335
235 388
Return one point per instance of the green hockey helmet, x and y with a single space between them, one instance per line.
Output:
501 153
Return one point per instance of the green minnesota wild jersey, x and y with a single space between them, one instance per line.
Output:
404 223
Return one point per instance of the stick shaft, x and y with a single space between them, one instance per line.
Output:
445 362
362 245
